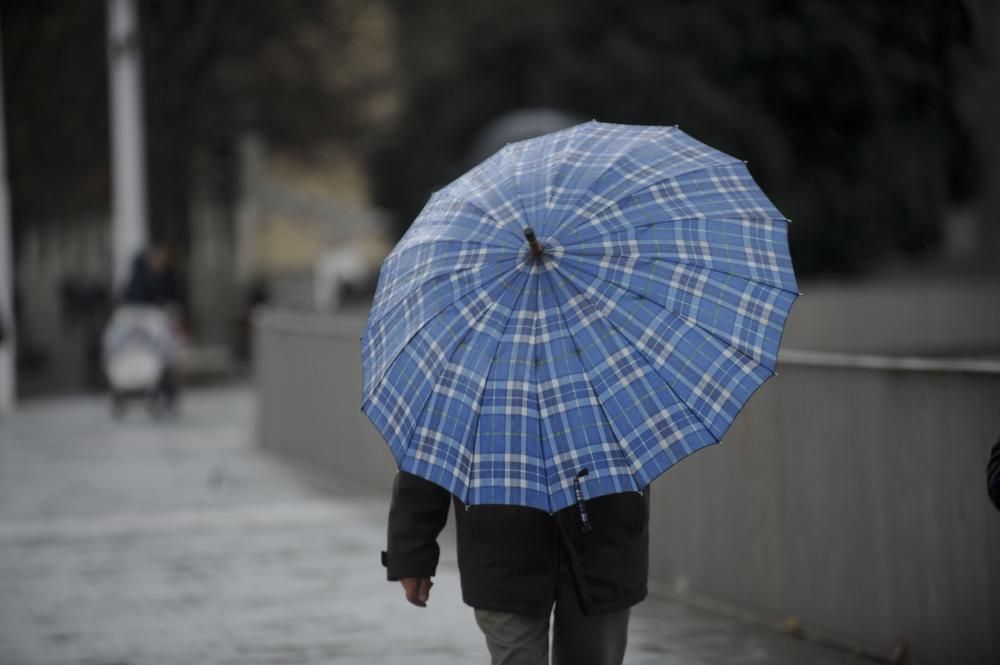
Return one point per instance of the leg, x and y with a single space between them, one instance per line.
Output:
168 385
515 639
586 640
168 390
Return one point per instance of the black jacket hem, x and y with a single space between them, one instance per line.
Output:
543 610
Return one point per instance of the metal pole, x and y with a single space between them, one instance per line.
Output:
8 355
128 230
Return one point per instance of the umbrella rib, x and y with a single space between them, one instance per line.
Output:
611 424
468 331
696 324
489 370
632 140
535 337
486 213
597 238
644 187
583 294
374 322
553 161
693 322
430 393
671 262
643 136
639 257
450 269
423 325
390 307
429 240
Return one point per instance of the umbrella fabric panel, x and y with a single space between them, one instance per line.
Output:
747 315
508 461
498 198
448 218
707 244
709 377
505 161
408 269
576 172
588 182
386 337
397 402
536 177
577 432
726 192
441 446
472 179
650 427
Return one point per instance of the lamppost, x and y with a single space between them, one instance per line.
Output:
8 355
128 229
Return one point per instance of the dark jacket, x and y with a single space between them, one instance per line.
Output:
147 286
993 475
510 557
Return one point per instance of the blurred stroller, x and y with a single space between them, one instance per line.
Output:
141 349
142 341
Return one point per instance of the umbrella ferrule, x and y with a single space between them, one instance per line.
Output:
536 247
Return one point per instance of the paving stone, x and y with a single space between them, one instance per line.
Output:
178 542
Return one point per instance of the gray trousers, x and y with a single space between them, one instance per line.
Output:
519 639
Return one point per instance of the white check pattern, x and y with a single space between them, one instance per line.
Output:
653 315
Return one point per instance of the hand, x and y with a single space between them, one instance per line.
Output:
417 589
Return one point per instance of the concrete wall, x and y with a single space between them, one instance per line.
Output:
851 498
61 348
308 375
911 314
850 494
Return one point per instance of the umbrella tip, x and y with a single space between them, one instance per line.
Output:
536 247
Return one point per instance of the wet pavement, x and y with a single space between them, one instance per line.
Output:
178 542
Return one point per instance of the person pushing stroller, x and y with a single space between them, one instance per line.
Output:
142 340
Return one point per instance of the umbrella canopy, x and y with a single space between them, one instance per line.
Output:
622 331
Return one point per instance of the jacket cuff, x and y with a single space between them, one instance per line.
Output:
396 572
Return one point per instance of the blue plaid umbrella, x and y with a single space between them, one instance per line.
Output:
576 315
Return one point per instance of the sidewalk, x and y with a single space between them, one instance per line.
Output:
180 543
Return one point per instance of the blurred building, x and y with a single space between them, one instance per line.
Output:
272 132
258 126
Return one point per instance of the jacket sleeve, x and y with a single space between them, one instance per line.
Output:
993 475
417 514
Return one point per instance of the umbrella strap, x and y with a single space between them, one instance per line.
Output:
581 505
579 579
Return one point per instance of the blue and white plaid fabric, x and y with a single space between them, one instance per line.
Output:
653 315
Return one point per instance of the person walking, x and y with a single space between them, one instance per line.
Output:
545 341
526 572
152 280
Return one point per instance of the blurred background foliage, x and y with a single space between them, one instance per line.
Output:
213 70
850 114
847 112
